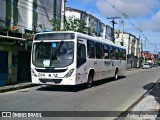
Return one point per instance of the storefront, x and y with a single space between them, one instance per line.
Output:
3 67
14 60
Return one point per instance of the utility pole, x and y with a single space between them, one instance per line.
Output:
140 61
113 22
145 43
122 28
155 60
63 2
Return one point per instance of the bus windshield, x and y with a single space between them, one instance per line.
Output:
53 54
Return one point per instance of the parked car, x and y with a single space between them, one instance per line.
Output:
146 66
155 65
150 65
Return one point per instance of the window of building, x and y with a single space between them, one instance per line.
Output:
99 51
106 51
90 49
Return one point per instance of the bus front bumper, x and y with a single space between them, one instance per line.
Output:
55 81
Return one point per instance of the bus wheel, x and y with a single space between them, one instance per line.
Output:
116 75
90 81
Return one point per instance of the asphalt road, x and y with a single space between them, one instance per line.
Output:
105 95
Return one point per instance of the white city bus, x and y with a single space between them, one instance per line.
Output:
72 58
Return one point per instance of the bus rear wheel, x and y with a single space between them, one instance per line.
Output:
89 83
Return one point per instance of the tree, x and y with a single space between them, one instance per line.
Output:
42 27
76 25
55 24
71 24
94 32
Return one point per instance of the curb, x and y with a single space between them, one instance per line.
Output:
130 109
132 69
16 87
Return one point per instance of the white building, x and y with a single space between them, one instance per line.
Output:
108 32
94 24
32 13
132 45
2 14
29 14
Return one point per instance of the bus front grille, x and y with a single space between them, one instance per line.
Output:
56 81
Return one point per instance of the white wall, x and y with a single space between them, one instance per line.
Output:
109 33
131 43
103 32
74 14
125 42
3 13
25 15
62 13
45 11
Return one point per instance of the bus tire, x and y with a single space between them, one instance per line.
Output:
89 83
116 75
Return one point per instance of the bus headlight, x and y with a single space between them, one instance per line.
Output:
69 73
33 73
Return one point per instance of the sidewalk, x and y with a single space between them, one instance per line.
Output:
131 69
149 107
16 86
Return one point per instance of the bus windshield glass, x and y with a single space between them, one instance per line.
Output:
53 54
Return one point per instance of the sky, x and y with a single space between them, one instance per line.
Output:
143 14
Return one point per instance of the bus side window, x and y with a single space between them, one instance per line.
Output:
116 53
112 52
124 54
99 51
106 51
81 54
121 54
90 49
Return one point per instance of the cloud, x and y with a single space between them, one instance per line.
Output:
153 24
132 8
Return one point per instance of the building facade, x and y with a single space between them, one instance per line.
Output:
132 45
19 21
95 26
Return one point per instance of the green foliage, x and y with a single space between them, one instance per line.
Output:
42 26
55 24
94 32
76 25
72 24
158 61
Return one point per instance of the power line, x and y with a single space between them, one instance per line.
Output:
123 14
114 7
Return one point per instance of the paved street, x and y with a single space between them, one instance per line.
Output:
106 95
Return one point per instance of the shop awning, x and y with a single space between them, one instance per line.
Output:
11 38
